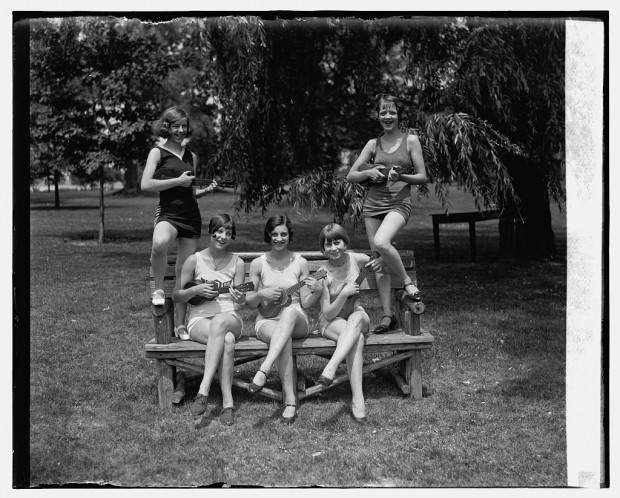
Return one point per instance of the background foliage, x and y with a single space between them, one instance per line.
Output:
277 101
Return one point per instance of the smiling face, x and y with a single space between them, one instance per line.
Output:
178 130
388 115
279 238
221 238
334 249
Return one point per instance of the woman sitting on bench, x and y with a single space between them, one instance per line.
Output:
342 319
213 303
278 275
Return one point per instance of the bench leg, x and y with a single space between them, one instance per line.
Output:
165 384
436 238
472 240
413 374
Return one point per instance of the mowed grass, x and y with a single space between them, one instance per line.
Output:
493 412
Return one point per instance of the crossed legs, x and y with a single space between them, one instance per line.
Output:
279 334
350 346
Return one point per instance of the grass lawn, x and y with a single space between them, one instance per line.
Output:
493 412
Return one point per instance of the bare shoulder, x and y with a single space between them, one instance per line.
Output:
359 258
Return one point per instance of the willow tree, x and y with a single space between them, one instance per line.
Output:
295 94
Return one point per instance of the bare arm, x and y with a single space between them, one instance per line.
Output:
367 154
181 295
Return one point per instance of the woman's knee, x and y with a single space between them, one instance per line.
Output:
381 243
359 319
229 342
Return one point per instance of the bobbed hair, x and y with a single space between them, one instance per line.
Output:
385 97
276 221
333 231
222 220
163 126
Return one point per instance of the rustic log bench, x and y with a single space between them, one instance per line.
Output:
403 345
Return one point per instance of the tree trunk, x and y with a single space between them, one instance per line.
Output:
101 206
526 231
56 192
132 186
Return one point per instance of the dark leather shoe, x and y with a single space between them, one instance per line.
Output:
381 329
255 388
357 420
325 381
289 420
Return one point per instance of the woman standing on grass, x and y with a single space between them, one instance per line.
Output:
215 321
387 207
170 169
273 274
342 319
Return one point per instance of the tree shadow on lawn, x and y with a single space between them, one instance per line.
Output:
110 236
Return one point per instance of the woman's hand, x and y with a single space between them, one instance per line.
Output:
272 294
376 264
314 285
394 173
185 180
350 289
375 175
237 296
205 290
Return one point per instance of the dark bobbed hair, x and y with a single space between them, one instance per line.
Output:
276 221
222 220
386 97
163 126
333 231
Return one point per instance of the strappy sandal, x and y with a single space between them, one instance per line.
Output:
289 420
380 329
255 388
181 332
415 296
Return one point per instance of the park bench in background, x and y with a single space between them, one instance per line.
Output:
508 228
404 345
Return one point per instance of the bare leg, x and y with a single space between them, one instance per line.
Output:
163 234
384 281
392 224
285 369
346 338
186 247
212 332
355 363
278 334
226 366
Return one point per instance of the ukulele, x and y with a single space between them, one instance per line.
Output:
272 308
211 183
349 304
221 288
367 166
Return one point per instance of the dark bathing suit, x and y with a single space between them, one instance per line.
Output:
178 205
383 198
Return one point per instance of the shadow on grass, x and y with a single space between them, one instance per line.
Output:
47 207
110 236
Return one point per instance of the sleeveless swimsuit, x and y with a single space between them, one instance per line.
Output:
271 277
223 302
389 196
177 205
335 286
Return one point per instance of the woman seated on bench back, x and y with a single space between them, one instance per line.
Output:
342 319
214 320
274 275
